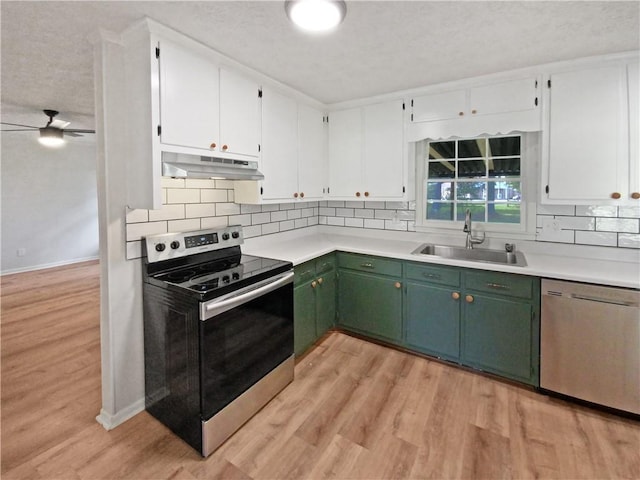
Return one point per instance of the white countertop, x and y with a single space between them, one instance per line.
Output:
620 267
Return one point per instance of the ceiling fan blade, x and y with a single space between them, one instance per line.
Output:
59 124
18 125
78 130
67 133
19 130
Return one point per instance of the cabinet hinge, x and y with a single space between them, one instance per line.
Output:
261 190
324 190
536 84
546 189
549 83
403 106
259 148
328 190
157 52
404 190
412 103
326 119
159 130
259 93
412 117
536 102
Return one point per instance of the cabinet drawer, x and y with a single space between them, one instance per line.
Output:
304 272
365 263
500 283
325 264
427 273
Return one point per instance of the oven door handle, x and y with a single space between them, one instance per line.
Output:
245 295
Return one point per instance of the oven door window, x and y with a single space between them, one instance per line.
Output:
240 346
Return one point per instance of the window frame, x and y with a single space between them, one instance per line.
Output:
529 161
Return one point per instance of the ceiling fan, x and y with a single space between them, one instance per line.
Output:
52 134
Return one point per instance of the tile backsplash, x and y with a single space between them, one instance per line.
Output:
192 204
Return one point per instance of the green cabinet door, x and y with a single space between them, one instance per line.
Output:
432 318
325 303
370 304
304 317
497 336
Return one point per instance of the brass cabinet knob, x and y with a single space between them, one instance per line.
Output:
635 195
474 111
320 280
225 147
366 194
455 295
357 194
469 298
397 285
615 195
213 145
295 195
461 113
314 284
301 194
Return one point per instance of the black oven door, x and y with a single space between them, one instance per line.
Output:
244 336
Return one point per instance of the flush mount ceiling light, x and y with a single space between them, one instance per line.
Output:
51 137
316 15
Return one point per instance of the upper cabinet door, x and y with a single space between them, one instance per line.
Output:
384 149
279 162
312 172
189 98
239 114
439 106
345 153
587 149
511 96
633 88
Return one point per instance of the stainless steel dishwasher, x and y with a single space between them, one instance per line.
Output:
590 343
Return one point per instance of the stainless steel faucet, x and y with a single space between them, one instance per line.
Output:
471 240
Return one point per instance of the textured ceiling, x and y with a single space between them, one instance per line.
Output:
380 47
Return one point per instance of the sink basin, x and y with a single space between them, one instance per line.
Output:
473 255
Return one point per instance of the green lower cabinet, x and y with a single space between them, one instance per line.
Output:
370 304
432 319
304 317
325 304
497 336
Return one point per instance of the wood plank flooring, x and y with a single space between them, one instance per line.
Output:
356 410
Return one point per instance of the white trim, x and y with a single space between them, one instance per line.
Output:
48 265
109 422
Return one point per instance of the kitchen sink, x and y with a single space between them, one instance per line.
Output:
474 255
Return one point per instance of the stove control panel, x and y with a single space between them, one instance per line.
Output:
166 246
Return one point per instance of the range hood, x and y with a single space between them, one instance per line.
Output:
181 165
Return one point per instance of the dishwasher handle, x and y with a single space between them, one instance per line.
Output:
609 301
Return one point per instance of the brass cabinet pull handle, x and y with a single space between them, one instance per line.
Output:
635 195
397 285
225 147
469 298
314 284
320 280
498 286
455 295
213 145
615 195
367 265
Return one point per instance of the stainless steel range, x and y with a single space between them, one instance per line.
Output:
218 333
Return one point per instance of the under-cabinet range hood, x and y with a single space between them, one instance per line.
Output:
181 165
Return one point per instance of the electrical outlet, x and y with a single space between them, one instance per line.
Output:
21 252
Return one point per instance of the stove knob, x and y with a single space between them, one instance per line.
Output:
160 247
225 236
175 244
235 276
225 279
235 234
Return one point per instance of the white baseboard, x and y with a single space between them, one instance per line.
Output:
111 421
47 265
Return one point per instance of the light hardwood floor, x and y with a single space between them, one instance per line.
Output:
355 410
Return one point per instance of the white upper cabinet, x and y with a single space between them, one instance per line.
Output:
439 106
312 159
239 114
590 150
189 98
367 158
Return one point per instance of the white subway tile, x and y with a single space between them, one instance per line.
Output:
562 236
312 221
354 222
374 205
322 220
408 215
377 224
198 210
300 222
385 214
329 212
322 203
596 211
227 209
135 231
287 206
395 225
605 239
293 214
338 221
312 204
308 212
629 212
628 240
134 250
168 212
278 216
260 218
183 195
396 205
271 207
344 212
227 184
253 231
250 209
335 204
412 205
187 225
209 195
231 196
555 210
541 219
621 225
137 215
164 196
199 183
300 204
577 223
168 182
354 204
215 222
363 213
411 226
243 220
287 225
269 228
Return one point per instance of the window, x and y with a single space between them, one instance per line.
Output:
483 175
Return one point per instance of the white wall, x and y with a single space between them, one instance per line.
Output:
48 198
